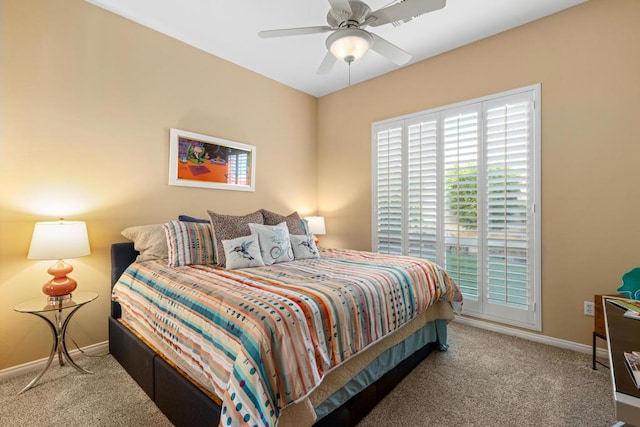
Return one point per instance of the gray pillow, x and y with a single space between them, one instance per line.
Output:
294 222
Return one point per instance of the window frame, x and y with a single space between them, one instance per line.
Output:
533 320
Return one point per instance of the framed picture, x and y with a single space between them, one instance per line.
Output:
208 162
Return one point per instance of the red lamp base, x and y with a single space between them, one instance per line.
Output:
60 287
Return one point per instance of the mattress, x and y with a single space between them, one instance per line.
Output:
264 339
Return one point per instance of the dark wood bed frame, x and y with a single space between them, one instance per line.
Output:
185 404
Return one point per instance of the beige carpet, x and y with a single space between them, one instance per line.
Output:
489 379
65 397
485 379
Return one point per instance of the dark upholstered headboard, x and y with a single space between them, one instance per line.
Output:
122 255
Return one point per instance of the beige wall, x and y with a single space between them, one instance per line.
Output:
87 100
587 60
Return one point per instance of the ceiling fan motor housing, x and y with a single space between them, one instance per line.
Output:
344 19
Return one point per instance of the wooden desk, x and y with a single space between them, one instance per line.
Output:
623 334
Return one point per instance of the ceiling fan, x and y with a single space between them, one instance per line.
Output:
349 41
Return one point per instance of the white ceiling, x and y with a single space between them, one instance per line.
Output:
229 29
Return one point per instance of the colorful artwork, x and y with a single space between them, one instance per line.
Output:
204 161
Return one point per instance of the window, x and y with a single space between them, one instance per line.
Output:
459 185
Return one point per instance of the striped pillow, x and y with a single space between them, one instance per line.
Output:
189 243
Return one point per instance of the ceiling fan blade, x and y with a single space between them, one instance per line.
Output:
342 5
404 10
389 50
327 63
294 31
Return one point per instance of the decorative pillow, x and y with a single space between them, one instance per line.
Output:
242 252
187 218
294 222
227 227
189 243
149 240
304 247
275 244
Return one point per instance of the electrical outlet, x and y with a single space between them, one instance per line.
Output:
588 308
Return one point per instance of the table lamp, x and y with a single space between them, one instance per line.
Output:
58 240
316 226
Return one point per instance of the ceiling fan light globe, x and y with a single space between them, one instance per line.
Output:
349 44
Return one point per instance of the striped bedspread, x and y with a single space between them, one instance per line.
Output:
264 337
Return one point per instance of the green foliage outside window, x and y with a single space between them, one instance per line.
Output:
462 192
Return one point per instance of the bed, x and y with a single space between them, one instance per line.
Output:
327 380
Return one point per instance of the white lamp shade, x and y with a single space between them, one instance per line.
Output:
349 44
316 225
59 240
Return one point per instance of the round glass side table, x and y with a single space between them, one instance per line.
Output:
40 307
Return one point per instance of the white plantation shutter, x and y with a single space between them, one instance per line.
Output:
389 189
509 189
459 185
422 188
461 131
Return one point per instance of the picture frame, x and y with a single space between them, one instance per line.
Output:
203 161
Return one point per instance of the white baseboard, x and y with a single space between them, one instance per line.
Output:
36 365
556 342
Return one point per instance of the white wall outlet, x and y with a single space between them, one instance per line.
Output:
588 308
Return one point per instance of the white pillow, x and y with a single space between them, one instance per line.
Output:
242 252
304 247
275 244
